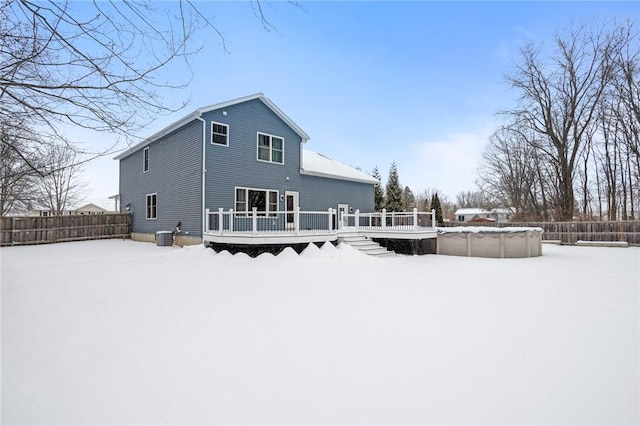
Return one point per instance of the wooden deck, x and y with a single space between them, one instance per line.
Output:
283 228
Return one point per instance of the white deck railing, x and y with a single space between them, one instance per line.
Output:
390 221
255 222
222 222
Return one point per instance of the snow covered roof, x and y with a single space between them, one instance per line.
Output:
198 113
487 230
471 211
477 211
315 164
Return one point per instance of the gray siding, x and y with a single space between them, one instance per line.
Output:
175 171
321 193
175 174
237 164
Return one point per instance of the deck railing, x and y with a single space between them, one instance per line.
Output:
391 221
255 222
299 222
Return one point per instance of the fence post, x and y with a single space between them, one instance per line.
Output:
254 220
415 218
220 219
330 221
296 221
384 218
230 220
357 219
433 218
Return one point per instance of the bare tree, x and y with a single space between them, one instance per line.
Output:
16 168
60 186
559 99
473 199
97 65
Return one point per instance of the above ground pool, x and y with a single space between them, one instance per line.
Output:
483 241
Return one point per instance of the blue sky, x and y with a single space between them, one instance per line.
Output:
418 83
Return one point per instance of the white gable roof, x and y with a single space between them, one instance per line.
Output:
198 113
315 164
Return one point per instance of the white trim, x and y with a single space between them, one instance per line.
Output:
296 203
145 160
371 181
204 173
146 206
197 113
175 126
270 148
211 135
285 118
345 208
247 189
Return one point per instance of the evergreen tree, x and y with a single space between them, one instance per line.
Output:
378 193
393 190
435 205
408 199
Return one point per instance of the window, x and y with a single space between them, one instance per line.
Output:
152 202
145 160
219 134
263 200
270 148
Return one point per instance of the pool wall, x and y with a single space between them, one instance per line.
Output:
490 242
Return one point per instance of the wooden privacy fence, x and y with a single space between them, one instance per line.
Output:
571 232
53 229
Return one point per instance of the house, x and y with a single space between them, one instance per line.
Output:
242 154
95 206
500 215
89 208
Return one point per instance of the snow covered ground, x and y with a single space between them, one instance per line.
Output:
119 332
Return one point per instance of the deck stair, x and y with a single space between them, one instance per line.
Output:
366 245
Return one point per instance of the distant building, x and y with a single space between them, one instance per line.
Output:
96 206
499 215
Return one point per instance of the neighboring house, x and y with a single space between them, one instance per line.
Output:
94 207
90 208
500 215
238 155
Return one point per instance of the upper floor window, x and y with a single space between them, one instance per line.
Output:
152 206
219 134
270 148
145 160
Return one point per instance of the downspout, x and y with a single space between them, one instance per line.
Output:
204 169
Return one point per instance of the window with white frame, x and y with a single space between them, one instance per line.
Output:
152 206
219 133
270 148
265 201
145 160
